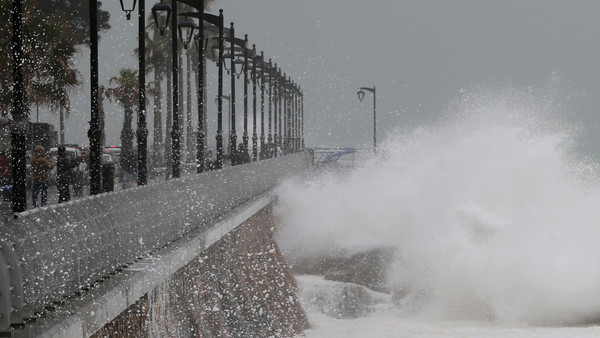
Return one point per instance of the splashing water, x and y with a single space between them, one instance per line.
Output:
491 215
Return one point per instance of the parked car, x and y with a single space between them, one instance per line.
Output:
115 152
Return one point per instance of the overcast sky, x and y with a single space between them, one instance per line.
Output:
419 54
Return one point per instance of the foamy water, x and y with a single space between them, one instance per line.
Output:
495 223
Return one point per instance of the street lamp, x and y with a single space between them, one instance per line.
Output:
271 75
128 6
19 126
161 13
245 66
254 134
233 135
361 96
142 131
186 32
96 130
202 44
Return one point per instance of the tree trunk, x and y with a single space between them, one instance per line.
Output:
127 134
61 115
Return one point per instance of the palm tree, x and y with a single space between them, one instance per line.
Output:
157 54
49 48
60 78
126 94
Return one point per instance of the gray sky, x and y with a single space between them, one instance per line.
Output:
419 54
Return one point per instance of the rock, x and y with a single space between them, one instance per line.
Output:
337 299
364 268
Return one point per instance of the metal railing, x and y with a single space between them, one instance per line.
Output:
49 254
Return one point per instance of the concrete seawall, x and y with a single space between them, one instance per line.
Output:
228 279
240 286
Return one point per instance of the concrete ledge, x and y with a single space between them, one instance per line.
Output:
83 316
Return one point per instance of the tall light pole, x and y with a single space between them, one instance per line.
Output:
19 125
142 131
201 44
254 134
95 132
361 96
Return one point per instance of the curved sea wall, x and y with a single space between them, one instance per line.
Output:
241 286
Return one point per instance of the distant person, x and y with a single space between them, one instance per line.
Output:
64 173
41 164
128 165
279 152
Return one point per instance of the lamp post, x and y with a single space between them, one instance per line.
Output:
254 134
161 14
286 101
19 124
95 132
142 131
219 137
261 62
201 44
271 79
361 96
277 108
245 135
228 99
233 42
302 119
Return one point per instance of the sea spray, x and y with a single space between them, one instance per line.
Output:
491 214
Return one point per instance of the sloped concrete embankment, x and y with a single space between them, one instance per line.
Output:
241 286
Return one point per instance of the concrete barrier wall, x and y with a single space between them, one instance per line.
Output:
50 253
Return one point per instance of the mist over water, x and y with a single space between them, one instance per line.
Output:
492 215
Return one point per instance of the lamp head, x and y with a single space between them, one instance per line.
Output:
161 13
128 6
361 95
186 32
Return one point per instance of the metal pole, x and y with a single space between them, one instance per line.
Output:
270 138
142 132
200 94
275 89
280 93
175 134
302 117
374 120
245 136
254 134
19 125
95 132
286 113
219 164
295 117
232 135
262 102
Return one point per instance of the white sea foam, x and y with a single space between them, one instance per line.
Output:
492 217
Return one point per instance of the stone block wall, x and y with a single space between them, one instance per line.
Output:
241 286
